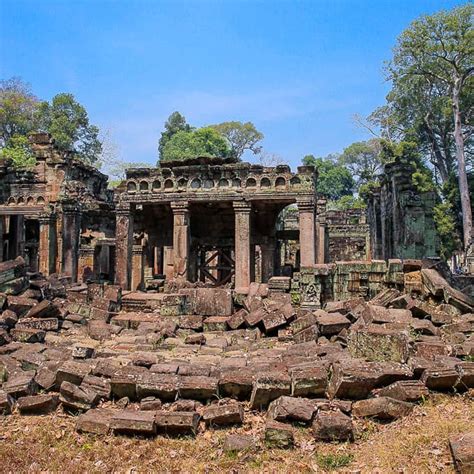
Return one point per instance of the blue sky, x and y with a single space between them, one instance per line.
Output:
299 70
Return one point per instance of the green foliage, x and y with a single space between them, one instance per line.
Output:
347 202
203 142
363 160
334 180
330 462
175 123
446 228
19 153
240 137
18 109
67 121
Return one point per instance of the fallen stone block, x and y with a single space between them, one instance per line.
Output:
269 387
198 387
383 408
72 372
278 435
162 386
330 324
196 339
6 403
21 385
223 414
309 381
20 305
332 426
177 422
236 384
37 404
215 323
466 376
96 421
99 385
8 319
273 321
83 352
429 350
78 398
462 451
4 337
306 335
124 381
190 322
440 378
289 409
150 403
404 390
44 324
237 320
44 309
252 318
27 335
133 423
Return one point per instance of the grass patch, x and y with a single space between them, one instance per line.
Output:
330 462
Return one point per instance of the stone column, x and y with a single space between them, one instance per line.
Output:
137 267
123 246
47 244
307 233
71 239
268 249
1 238
85 265
181 239
243 255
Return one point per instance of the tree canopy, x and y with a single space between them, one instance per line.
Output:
240 137
334 179
202 142
175 123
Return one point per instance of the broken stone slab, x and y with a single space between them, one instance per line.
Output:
73 372
165 368
161 385
194 369
273 320
198 387
278 435
124 381
237 320
28 335
78 398
462 451
330 324
130 422
238 442
150 403
383 408
44 309
289 409
191 322
429 350
269 387
44 324
215 323
96 421
8 319
385 297
466 376
20 305
100 385
230 413
6 403
83 352
354 379
196 339
306 335
37 404
332 426
210 301
309 381
440 378
404 390
177 422
252 318
378 344
303 322
21 385
236 383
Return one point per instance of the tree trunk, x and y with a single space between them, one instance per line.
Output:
463 185
440 160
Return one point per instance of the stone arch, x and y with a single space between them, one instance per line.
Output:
40 200
295 181
144 185
196 183
169 184
280 182
30 200
251 183
223 183
265 183
11 200
131 186
182 183
236 183
156 185
208 183
21 200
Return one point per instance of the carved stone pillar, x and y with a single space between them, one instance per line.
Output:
137 267
47 244
123 246
307 233
244 267
85 266
268 252
2 230
71 239
181 239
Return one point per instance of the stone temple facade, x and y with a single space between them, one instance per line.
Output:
209 223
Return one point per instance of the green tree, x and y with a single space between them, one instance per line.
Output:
436 55
18 152
175 123
68 123
203 142
363 160
18 109
334 180
241 137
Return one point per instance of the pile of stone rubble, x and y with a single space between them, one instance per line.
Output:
156 363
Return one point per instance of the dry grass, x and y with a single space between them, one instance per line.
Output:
415 444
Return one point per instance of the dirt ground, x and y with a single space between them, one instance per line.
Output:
415 444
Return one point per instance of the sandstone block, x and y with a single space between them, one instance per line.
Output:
309 381
237 442
133 422
330 324
269 387
162 386
236 384
198 387
278 435
289 409
332 426
405 391
78 398
6 403
384 408
37 404
462 450
230 413
177 422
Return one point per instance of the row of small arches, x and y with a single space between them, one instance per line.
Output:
197 183
30 200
